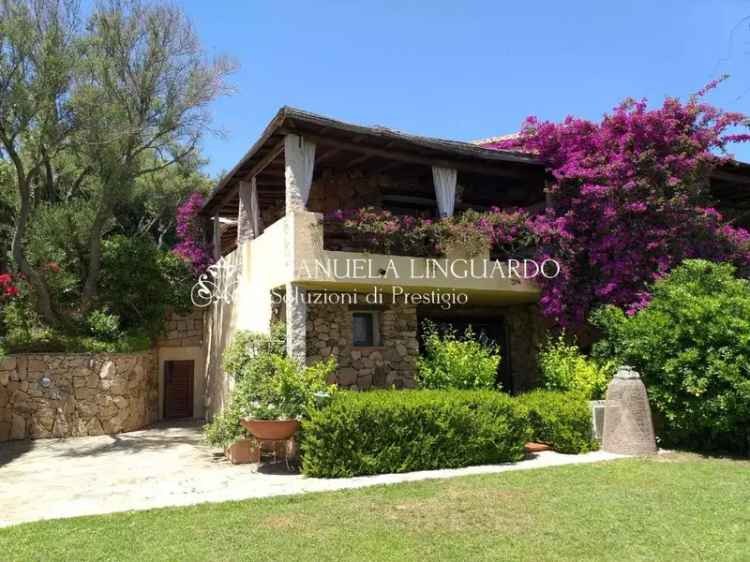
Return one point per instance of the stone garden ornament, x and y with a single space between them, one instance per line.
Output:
628 427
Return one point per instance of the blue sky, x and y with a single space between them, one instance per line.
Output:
465 70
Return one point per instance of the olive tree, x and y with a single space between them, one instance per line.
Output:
38 43
90 109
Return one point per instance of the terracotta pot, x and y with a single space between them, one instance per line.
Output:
243 451
271 430
532 448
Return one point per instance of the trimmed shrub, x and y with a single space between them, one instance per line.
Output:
453 362
691 345
565 368
562 420
385 431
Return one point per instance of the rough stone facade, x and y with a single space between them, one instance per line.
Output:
182 330
526 330
392 364
72 395
347 191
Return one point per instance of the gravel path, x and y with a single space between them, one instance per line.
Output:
169 466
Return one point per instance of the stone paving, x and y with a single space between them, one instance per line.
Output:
169 466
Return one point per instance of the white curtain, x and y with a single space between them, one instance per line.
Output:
444 180
299 155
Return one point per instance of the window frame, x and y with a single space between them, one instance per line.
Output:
374 317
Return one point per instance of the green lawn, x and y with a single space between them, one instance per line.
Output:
675 507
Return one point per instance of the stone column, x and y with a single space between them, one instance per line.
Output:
628 428
245 228
296 322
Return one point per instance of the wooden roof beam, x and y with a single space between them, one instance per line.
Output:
272 154
415 159
358 161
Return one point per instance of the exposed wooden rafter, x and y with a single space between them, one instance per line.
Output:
276 149
391 154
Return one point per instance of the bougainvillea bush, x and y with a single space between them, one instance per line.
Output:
190 234
380 232
503 232
630 200
691 345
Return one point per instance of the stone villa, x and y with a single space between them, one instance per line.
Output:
264 219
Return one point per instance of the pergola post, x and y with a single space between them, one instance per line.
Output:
216 237
299 161
296 322
245 229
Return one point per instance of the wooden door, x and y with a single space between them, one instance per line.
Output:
178 389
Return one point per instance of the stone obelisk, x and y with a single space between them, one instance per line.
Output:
628 428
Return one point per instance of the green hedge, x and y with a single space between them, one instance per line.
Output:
562 420
400 431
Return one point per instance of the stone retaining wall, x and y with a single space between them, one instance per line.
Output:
72 395
182 330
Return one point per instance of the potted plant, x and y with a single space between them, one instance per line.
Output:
284 398
225 432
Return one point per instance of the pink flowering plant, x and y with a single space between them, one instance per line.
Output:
505 233
8 288
190 234
502 232
379 231
630 198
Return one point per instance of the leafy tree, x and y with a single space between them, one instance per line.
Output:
38 54
151 209
95 114
141 282
142 99
691 345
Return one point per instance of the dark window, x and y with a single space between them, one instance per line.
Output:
363 329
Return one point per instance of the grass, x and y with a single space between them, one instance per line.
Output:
674 507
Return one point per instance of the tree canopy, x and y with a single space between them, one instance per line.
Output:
100 126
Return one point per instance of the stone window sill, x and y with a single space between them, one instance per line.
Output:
368 348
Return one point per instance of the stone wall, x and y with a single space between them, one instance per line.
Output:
329 332
182 330
526 331
346 191
72 395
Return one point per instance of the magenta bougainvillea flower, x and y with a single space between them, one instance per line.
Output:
630 197
190 234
